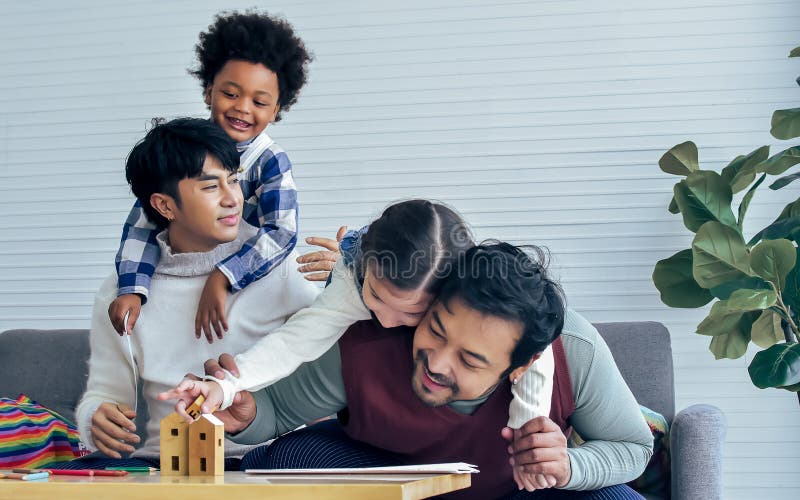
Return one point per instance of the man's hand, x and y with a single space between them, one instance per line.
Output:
211 310
320 263
236 418
242 411
539 448
130 302
113 428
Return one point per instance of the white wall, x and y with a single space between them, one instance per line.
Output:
541 121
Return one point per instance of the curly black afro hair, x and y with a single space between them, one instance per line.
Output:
256 38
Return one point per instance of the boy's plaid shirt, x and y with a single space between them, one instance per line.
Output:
270 203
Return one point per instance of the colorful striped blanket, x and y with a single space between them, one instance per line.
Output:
33 436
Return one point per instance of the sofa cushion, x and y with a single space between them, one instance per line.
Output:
50 366
643 354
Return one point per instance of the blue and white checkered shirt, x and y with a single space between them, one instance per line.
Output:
270 203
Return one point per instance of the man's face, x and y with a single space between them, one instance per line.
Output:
460 353
243 98
210 209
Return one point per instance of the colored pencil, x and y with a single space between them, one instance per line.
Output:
133 469
25 477
76 472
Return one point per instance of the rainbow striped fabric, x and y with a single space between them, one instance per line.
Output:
33 436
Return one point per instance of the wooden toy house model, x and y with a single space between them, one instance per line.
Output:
174 444
206 448
195 449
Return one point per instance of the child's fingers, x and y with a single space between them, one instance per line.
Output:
116 317
340 233
213 399
320 265
223 321
134 315
327 243
322 276
318 256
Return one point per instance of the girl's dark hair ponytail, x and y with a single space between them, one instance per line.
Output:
415 244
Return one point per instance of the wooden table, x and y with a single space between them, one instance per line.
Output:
236 486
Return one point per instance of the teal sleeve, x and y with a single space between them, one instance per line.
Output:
314 390
618 441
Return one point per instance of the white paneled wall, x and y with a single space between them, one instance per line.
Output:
541 121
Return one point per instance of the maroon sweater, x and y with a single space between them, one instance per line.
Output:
384 411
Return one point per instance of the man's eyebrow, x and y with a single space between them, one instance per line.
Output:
211 177
438 321
477 356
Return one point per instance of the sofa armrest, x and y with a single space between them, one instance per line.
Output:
696 439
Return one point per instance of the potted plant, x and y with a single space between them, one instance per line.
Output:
755 283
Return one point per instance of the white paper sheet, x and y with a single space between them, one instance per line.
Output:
449 468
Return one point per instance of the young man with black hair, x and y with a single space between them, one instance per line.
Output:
184 175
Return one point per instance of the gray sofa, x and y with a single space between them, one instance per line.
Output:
50 367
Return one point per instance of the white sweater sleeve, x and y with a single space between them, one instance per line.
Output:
534 392
110 374
305 337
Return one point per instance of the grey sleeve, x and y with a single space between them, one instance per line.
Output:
618 440
314 390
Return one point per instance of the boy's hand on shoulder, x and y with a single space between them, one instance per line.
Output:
210 316
318 264
122 305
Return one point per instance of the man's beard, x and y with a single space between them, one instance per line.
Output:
421 364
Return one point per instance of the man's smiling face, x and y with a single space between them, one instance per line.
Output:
208 210
460 353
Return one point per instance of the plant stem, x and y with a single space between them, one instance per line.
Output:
789 328
788 333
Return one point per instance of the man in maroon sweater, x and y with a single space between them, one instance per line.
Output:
486 327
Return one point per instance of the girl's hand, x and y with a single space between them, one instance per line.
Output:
211 309
188 390
320 263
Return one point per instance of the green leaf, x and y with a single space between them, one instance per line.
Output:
673 206
767 330
742 170
784 181
789 211
731 345
795 52
780 163
751 300
778 366
719 255
791 388
680 160
785 124
673 278
704 196
786 228
791 291
746 201
724 291
720 320
773 259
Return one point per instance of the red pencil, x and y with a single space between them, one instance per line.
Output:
77 472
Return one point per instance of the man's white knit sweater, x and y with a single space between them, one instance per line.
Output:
163 340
